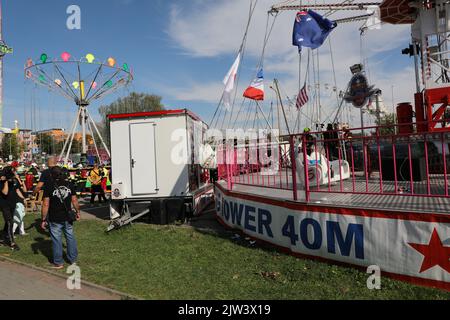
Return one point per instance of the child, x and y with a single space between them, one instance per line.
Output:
19 215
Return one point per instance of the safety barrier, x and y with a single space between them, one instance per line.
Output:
383 160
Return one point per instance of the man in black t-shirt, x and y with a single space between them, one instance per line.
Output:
59 196
57 209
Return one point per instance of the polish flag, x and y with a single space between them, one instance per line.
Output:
256 89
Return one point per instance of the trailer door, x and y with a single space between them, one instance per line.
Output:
143 159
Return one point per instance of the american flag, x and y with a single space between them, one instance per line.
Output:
302 98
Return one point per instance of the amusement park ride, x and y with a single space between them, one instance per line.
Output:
82 81
430 21
385 186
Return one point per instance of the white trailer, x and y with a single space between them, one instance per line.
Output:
155 168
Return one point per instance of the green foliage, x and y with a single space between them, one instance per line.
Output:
47 144
388 121
135 102
10 146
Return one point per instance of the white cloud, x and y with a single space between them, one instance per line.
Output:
198 92
215 28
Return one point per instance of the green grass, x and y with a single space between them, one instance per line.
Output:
181 263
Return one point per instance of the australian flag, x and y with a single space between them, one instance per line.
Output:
311 29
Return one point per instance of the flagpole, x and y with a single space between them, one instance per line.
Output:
278 112
299 119
264 116
282 107
217 109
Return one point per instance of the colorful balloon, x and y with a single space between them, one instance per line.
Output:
76 84
111 62
65 56
29 63
58 82
109 84
90 57
44 58
94 85
41 78
126 67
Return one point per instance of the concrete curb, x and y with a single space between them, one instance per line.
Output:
123 296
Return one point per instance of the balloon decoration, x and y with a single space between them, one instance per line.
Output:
44 58
29 63
109 83
94 85
90 58
111 62
76 85
65 56
58 82
41 78
126 67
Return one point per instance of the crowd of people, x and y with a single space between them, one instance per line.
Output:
59 187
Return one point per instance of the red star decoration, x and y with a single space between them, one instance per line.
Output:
435 254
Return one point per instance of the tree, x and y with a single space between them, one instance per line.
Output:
47 144
388 121
10 146
135 102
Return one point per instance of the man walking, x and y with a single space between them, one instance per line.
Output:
59 198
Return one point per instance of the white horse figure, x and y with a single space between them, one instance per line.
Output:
207 157
320 170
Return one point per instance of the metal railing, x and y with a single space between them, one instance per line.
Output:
383 160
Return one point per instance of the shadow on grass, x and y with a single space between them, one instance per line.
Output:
37 226
43 245
98 210
209 225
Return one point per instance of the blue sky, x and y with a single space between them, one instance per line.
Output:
178 49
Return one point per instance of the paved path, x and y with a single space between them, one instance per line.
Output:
18 282
100 213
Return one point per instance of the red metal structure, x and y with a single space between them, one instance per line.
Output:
430 31
397 12
430 25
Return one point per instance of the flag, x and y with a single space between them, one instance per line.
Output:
229 82
311 29
374 21
256 89
302 98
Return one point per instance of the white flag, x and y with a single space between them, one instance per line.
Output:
373 22
229 82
